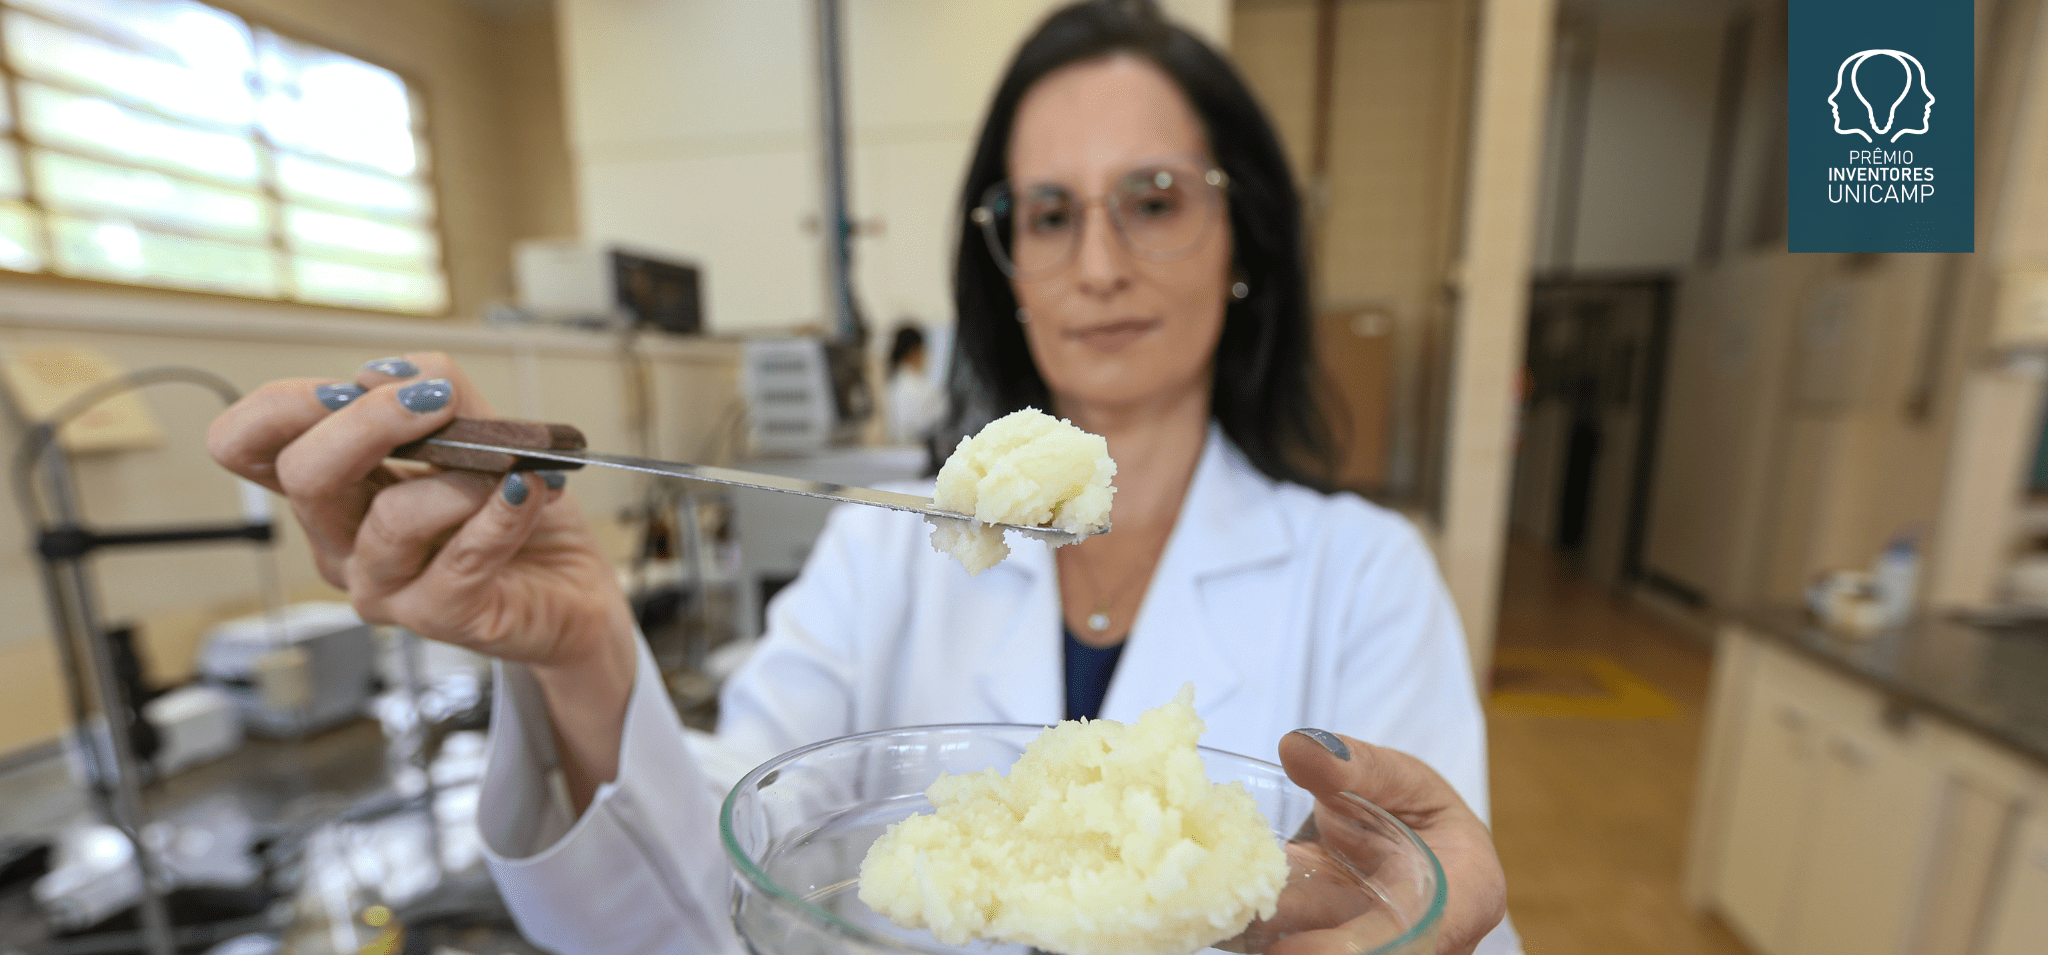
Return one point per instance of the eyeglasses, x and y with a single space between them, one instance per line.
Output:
1161 211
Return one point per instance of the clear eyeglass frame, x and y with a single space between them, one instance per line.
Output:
994 216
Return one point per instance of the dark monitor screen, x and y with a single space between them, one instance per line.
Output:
658 293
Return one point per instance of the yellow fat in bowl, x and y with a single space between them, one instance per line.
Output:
797 827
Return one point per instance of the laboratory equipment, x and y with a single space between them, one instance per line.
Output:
195 724
577 283
65 543
305 669
787 383
776 532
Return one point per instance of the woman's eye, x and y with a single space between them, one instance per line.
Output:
1155 206
1049 220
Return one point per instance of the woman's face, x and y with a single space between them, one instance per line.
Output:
1115 327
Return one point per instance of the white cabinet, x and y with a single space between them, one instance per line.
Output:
2019 912
1774 790
1872 830
1829 817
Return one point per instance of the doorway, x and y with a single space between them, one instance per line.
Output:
1593 374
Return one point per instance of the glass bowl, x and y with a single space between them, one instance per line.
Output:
798 826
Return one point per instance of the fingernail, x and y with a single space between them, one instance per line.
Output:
554 479
337 396
515 489
395 367
1328 740
421 397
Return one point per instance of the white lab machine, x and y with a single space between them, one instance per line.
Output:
787 384
195 724
777 531
583 284
306 668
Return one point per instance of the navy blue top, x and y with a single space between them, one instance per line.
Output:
1088 672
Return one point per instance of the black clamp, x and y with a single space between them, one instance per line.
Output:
72 541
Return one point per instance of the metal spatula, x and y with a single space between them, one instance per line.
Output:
496 447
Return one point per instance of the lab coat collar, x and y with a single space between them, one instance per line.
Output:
1230 523
1232 519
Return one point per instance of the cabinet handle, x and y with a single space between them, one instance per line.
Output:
1897 716
1850 753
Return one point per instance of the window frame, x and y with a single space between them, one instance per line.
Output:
268 186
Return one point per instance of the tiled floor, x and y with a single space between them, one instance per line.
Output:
1596 725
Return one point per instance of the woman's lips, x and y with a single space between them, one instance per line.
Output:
1113 335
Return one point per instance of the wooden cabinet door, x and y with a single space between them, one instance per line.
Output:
2019 916
1774 787
1870 835
1356 349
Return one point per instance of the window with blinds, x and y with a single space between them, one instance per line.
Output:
168 143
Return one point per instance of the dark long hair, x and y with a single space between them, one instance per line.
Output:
1263 393
909 339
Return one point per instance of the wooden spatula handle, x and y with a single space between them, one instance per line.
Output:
509 434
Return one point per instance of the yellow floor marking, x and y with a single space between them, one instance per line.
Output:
1626 696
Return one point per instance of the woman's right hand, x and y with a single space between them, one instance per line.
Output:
504 565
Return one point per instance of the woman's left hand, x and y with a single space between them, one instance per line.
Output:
1327 764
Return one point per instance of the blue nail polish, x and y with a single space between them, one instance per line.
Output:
515 489
1328 740
395 367
421 397
554 479
337 396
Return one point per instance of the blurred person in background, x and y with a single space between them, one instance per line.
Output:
1130 257
916 402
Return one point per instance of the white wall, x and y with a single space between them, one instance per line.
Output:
1388 224
693 126
1648 132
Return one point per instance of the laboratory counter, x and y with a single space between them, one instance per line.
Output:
1992 680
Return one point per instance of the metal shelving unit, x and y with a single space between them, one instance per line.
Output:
64 544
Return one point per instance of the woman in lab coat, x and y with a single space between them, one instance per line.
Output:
1130 257
915 403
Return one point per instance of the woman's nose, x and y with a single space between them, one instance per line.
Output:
1101 266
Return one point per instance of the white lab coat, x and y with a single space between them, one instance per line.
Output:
1285 608
916 403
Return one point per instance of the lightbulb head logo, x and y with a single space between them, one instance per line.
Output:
1884 118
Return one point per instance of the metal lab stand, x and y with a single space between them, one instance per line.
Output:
64 543
682 640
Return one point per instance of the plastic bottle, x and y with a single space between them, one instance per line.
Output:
1898 574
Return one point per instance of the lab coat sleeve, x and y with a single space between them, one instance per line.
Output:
1407 678
642 871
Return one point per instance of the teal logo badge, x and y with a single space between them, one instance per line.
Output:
1880 151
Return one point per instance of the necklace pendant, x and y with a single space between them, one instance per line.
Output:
1098 621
